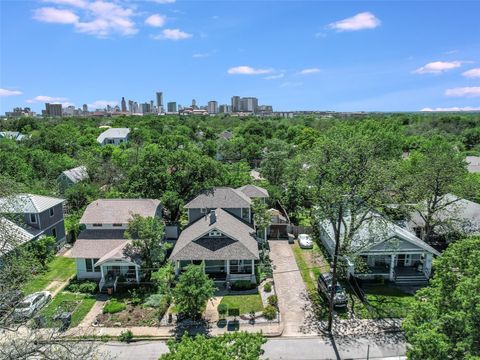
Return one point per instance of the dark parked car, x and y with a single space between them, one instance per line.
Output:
325 287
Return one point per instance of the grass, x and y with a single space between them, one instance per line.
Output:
79 304
59 269
304 267
245 303
385 301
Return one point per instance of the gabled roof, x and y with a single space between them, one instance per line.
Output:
27 204
237 241
94 244
120 133
253 191
220 197
76 174
255 175
12 235
226 135
376 230
118 211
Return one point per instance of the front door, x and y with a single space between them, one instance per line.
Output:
401 260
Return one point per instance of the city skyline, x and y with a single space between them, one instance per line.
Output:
364 56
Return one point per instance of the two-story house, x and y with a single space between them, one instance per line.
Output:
220 234
113 136
36 215
99 251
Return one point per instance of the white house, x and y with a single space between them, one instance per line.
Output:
114 136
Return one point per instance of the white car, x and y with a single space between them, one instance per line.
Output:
305 241
31 304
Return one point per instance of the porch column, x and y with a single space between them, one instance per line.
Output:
137 277
228 267
101 271
427 267
392 266
253 267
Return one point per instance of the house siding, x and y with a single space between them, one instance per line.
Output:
82 270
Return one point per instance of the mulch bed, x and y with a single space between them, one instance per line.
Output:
131 316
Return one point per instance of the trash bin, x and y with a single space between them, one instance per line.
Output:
109 291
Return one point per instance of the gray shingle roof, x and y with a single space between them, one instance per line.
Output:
94 244
76 174
220 197
27 204
113 211
237 241
120 133
253 191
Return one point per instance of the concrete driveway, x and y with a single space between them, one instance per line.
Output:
295 308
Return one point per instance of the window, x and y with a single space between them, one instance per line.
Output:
88 265
214 233
418 231
117 225
97 268
51 212
97 225
54 232
203 210
33 218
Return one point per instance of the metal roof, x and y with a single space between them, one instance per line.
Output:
120 133
27 204
76 174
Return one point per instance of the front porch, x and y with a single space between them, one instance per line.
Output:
396 267
223 270
113 273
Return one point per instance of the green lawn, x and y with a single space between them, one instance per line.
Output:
60 269
386 301
245 303
79 304
304 267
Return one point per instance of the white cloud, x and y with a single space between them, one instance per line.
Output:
156 20
309 71
57 16
361 21
99 18
248 70
172 34
472 91
472 73
5 92
46 99
437 67
274 77
164 1
455 108
101 104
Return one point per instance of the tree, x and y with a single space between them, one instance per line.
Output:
349 171
42 250
164 277
430 175
261 216
230 346
147 235
80 195
444 322
193 289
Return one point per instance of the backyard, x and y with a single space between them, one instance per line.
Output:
59 270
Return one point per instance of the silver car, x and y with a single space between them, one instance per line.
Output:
31 304
305 241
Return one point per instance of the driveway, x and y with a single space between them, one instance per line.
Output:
295 308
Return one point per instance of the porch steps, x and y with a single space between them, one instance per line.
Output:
411 279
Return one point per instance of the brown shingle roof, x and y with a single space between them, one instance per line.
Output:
93 244
111 211
220 197
237 242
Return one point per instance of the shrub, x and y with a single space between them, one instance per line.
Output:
270 312
233 312
82 286
267 287
222 310
113 306
273 300
242 285
157 301
126 336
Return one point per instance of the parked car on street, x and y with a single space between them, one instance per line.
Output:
31 304
324 283
305 241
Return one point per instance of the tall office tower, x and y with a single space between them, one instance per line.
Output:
135 107
225 109
130 106
124 105
85 108
249 104
53 109
172 107
194 104
146 108
212 107
159 100
152 108
235 103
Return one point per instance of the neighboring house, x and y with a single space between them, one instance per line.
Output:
255 175
219 234
38 215
473 164
388 251
70 177
254 192
114 136
14 135
459 216
279 226
99 251
225 135
12 235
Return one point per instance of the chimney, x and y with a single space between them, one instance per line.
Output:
213 217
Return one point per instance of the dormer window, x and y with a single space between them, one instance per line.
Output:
117 225
214 233
203 210
97 225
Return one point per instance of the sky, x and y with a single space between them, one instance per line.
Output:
293 55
